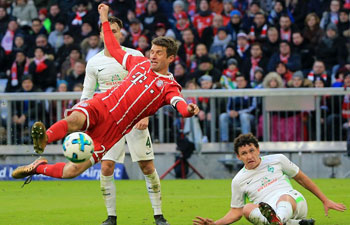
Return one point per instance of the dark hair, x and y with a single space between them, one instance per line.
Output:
167 42
243 140
36 19
113 19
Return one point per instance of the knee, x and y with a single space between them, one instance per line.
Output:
247 209
107 167
223 118
71 171
147 167
75 121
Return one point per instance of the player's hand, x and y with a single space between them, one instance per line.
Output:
103 11
329 204
203 221
142 124
193 109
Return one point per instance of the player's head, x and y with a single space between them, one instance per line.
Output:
246 147
116 25
163 52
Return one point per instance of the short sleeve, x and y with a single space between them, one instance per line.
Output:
237 196
90 81
288 167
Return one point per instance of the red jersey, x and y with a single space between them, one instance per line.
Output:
142 92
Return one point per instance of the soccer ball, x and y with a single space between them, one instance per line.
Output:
78 147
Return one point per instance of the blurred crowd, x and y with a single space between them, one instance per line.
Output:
228 44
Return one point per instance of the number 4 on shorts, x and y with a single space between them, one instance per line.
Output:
148 142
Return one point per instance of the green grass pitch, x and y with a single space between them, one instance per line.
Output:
80 202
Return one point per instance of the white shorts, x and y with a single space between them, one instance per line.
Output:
139 144
301 209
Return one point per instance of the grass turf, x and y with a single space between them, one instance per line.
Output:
80 202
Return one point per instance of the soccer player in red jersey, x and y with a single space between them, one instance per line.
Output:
110 115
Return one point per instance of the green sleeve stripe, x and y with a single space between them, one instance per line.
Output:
299 199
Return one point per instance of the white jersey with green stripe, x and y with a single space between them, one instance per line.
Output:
104 72
269 179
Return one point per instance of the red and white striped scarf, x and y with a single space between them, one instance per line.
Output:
140 7
241 50
187 25
286 35
135 38
14 75
262 33
311 76
189 52
78 20
255 63
284 59
40 65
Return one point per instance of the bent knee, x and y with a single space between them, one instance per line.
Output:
107 167
147 166
248 208
75 121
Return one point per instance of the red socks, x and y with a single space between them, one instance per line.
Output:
57 131
55 170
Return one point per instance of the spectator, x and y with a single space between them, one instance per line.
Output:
152 16
140 7
3 62
135 31
257 82
243 47
182 23
235 24
312 31
228 77
271 46
226 12
178 8
81 13
69 62
186 49
221 40
304 50
8 36
54 15
255 60
42 15
211 31
19 68
86 29
204 115
318 71
298 11
298 81
284 72
344 24
206 67
25 11
331 49
239 112
181 74
339 77
286 28
204 17
26 112
91 46
43 71
56 37
143 44
77 75
229 53
332 16
278 9
285 55
19 44
240 5
258 30
200 50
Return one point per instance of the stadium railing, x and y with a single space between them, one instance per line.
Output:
310 122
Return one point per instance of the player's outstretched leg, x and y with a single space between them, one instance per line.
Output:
160 220
27 170
111 220
39 137
269 213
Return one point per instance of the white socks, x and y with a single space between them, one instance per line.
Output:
284 211
108 191
257 218
153 188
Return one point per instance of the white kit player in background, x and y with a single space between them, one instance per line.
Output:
103 70
264 181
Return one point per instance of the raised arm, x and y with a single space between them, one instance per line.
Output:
307 183
111 42
187 110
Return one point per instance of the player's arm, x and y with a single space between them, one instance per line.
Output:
111 42
232 216
186 110
142 124
307 183
90 82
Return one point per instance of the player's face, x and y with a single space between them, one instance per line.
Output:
115 30
250 156
159 59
